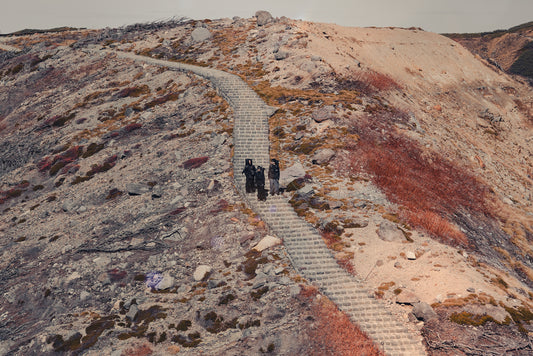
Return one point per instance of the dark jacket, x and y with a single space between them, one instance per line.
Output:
260 177
249 169
273 170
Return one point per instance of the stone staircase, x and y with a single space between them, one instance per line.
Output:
306 249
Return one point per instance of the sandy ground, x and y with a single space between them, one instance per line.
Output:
439 272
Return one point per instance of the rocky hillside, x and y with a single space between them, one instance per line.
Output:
508 50
123 232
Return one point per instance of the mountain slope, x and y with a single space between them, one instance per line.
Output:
509 50
381 127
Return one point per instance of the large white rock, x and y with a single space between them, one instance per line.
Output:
166 283
267 242
288 175
323 155
201 271
200 34
388 231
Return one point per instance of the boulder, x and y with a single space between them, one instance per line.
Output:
496 312
388 231
132 313
263 17
423 311
200 34
293 172
201 272
137 188
323 156
69 206
410 255
166 283
267 242
306 190
324 113
280 55
407 297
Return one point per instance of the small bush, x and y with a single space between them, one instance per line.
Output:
178 211
134 91
59 121
104 167
333 333
194 162
113 193
162 100
184 325
131 127
92 149
257 294
465 318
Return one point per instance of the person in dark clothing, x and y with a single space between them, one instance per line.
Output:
260 183
273 176
249 173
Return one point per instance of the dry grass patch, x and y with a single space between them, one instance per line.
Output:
333 333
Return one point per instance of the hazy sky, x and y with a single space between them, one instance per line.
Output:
431 15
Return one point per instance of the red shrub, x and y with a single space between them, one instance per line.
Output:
116 275
431 188
65 158
131 127
14 192
347 265
162 100
134 91
178 211
333 333
104 167
44 164
194 162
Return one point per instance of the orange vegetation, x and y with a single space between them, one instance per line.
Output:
333 333
429 188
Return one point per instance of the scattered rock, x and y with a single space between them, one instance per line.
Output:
423 311
407 297
280 55
324 113
200 34
69 206
137 188
157 192
388 231
267 242
166 283
323 156
132 313
306 190
294 290
410 255
293 172
201 272
263 17
84 295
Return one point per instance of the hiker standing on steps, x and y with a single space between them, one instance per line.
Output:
249 173
260 183
273 176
